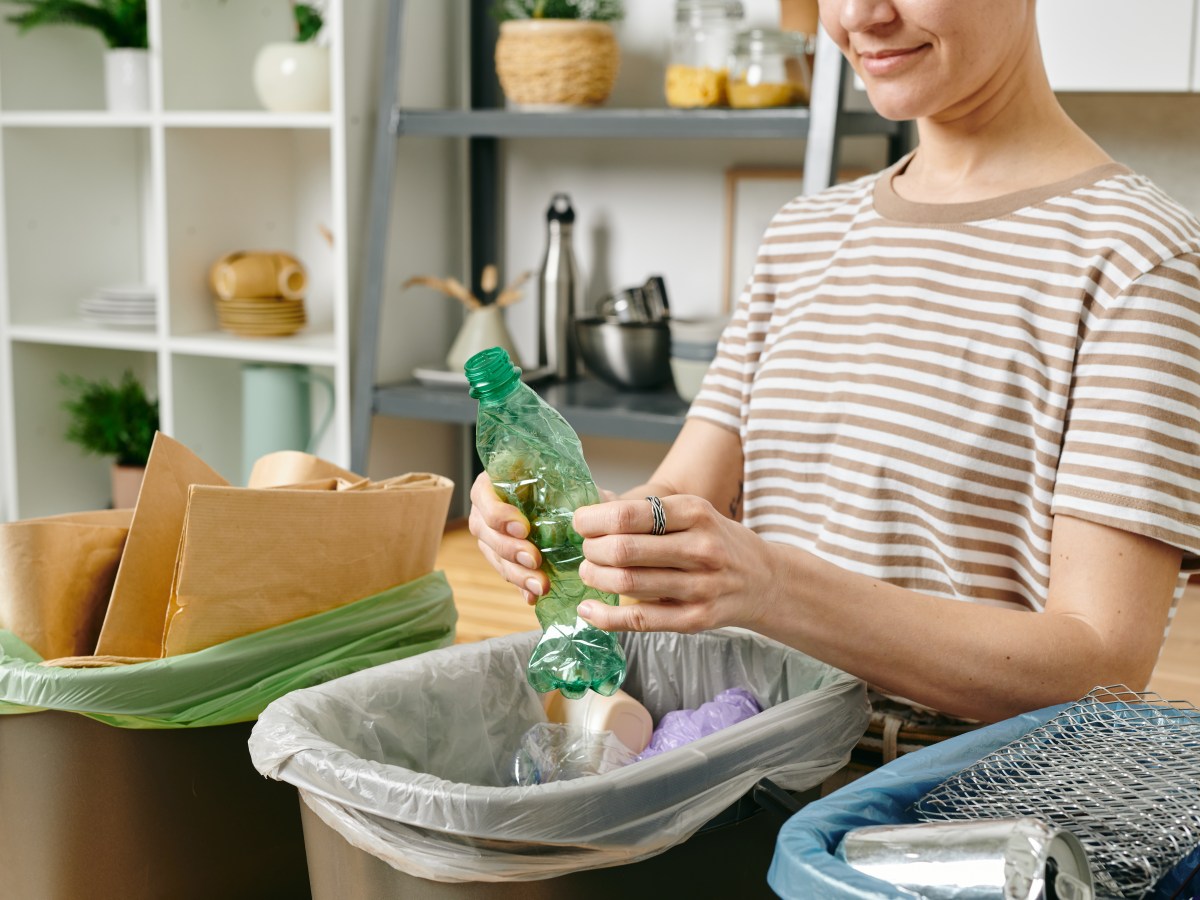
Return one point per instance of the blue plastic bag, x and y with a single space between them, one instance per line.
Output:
806 866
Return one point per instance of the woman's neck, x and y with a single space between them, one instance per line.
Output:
1008 136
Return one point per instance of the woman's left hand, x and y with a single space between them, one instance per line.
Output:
706 571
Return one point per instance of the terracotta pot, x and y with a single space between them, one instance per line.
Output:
126 483
557 62
798 15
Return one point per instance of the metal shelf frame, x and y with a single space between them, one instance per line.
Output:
590 407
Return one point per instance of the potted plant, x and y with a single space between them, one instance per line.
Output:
114 420
557 52
122 24
293 76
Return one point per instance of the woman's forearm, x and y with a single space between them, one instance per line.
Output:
981 662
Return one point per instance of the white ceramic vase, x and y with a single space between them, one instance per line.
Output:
127 79
482 328
292 77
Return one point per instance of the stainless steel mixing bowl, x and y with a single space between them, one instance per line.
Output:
627 355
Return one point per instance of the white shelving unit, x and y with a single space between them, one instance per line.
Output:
92 198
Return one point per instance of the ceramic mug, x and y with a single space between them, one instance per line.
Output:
277 410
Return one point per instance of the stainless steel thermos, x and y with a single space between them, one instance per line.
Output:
558 293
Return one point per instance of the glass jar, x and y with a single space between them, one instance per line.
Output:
698 68
769 68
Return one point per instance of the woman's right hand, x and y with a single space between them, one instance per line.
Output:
502 531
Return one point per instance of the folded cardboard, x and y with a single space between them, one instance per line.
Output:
205 562
253 559
56 575
133 625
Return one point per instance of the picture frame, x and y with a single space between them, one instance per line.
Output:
752 198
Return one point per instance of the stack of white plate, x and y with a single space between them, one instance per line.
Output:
120 306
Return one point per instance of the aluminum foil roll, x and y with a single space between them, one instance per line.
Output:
980 859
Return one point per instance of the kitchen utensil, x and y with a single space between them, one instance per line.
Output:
654 294
1119 769
628 355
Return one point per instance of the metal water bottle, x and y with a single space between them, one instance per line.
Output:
558 293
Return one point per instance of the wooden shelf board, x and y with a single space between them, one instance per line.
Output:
77 333
315 348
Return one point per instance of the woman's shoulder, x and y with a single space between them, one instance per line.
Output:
1131 206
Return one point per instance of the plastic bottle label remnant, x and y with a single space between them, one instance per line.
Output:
535 462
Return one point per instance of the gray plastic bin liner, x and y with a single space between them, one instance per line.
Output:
407 761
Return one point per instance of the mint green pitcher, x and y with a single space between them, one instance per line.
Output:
277 410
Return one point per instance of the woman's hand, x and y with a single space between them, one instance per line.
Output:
502 531
705 572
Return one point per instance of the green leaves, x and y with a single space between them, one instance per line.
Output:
111 420
122 23
308 21
592 10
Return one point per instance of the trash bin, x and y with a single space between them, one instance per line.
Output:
402 770
806 864
167 803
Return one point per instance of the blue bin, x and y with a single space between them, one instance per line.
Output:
805 866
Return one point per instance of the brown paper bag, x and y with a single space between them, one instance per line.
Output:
134 623
56 575
254 559
292 467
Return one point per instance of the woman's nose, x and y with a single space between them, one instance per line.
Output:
863 15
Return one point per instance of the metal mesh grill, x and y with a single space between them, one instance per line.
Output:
1119 769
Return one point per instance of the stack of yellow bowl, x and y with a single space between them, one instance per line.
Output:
260 294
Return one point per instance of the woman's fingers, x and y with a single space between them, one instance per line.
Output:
498 515
684 550
661 615
637 581
679 512
530 581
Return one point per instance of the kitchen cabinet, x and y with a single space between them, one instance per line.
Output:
484 124
1116 45
93 198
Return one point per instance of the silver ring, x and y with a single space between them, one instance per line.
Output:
660 517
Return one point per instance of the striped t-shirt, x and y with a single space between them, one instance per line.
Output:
919 388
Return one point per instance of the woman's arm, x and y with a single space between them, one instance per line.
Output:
1103 622
705 461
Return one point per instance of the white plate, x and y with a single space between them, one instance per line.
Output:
123 322
127 292
434 376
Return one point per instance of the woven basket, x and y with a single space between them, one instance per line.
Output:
557 62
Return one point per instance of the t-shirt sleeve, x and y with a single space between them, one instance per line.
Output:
1131 451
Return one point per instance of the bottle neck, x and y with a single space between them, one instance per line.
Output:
492 376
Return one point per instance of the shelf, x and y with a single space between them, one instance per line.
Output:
77 333
591 408
625 123
80 119
315 349
247 119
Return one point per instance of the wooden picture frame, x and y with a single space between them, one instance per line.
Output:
752 198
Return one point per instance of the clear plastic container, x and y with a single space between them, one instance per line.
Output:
770 68
698 68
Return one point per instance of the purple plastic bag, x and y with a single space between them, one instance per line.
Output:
686 725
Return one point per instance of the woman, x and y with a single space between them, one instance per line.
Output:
956 392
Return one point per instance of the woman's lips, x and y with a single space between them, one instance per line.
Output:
886 62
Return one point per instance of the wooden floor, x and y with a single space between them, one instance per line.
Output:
489 607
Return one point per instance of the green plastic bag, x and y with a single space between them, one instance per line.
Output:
234 681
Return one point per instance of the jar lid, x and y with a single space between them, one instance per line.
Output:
699 10
771 40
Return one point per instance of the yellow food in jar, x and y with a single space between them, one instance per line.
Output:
764 96
691 87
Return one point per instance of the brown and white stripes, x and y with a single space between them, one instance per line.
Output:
920 388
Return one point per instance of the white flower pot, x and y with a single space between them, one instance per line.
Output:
482 328
291 77
127 79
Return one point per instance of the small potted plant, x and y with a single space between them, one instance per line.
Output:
114 420
122 24
557 52
293 76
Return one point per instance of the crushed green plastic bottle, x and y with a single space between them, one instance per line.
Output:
535 462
